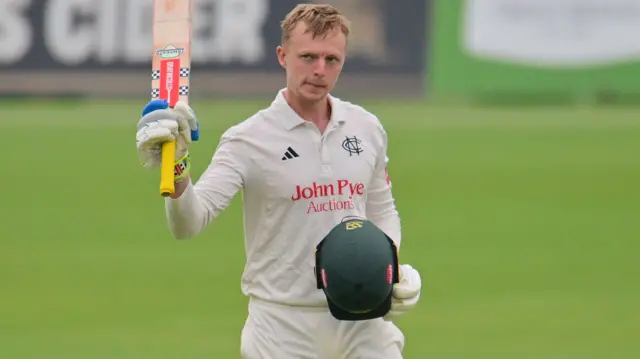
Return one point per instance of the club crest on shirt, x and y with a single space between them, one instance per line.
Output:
352 145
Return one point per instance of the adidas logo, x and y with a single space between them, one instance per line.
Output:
289 154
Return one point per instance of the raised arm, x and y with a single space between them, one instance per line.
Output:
200 203
193 206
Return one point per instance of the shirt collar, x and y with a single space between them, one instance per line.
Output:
290 119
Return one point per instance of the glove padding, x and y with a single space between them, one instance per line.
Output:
160 124
406 294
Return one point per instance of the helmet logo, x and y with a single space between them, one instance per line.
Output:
390 274
353 225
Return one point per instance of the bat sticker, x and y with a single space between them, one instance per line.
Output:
170 81
170 52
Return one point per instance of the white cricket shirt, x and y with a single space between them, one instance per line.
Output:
296 184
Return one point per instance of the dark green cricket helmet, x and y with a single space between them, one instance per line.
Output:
356 267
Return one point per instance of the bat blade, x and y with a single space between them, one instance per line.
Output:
171 69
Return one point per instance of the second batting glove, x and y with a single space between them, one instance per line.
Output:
406 294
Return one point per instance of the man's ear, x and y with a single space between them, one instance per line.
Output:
280 53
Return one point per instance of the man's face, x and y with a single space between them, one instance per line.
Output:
313 65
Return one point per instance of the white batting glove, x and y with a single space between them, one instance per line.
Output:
160 124
406 294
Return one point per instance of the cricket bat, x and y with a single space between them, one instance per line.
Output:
171 67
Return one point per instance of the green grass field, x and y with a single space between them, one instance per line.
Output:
525 224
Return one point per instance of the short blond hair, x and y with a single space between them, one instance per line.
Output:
320 19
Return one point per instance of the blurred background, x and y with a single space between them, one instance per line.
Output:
514 155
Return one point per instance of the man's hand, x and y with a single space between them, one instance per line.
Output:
160 124
406 294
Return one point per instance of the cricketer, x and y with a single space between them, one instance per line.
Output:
303 164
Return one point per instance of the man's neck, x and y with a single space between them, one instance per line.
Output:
317 113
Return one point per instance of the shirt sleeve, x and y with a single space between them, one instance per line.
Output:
381 208
203 201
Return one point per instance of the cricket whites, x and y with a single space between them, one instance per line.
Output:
171 67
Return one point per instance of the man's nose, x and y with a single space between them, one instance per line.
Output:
320 68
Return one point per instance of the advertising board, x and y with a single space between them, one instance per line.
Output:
98 46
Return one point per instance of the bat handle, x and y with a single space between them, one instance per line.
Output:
167 185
